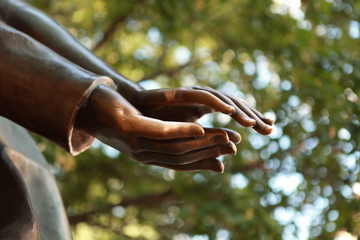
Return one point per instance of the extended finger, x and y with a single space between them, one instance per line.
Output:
146 127
181 113
234 136
182 95
190 157
207 165
262 117
212 137
260 126
239 116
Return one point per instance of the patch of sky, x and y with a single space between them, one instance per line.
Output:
270 199
349 161
344 134
264 73
118 211
304 110
294 101
232 89
308 125
133 25
200 237
354 29
284 215
286 183
286 85
238 181
272 163
106 149
285 142
289 232
150 84
347 68
199 178
277 132
249 68
329 31
291 7
333 215
181 236
189 80
182 55
223 119
154 36
296 199
223 234
346 191
206 121
144 52
110 151
304 24
258 141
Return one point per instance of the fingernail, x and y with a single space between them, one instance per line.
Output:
267 130
269 121
238 140
218 166
250 122
231 110
229 148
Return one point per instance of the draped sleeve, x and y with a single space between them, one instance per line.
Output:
42 91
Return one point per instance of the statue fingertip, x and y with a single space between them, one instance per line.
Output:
231 110
219 166
269 121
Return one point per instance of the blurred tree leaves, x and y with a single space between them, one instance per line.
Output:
299 65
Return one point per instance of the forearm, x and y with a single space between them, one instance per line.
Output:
41 90
50 33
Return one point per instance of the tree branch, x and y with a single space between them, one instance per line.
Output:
168 72
109 32
143 201
257 164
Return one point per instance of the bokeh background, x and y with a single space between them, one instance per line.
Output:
298 62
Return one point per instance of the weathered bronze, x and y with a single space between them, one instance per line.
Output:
52 85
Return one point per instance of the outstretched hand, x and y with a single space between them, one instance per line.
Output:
180 146
188 104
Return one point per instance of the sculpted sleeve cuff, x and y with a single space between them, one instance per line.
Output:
43 91
50 109
78 140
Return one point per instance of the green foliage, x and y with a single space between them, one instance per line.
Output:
298 183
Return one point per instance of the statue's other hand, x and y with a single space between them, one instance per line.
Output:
177 145
191 103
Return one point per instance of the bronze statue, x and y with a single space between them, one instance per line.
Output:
52 85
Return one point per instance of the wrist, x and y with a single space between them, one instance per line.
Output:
128 89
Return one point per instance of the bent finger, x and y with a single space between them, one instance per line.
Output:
204 165
260 126
146 127
234 136
239 116
204 97
212 137
190 157
163 97
180 113
262 117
